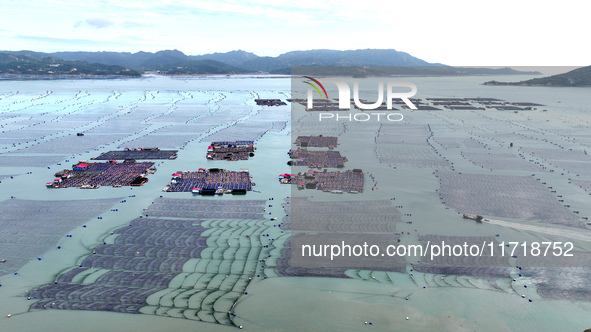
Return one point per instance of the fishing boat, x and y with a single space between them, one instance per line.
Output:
477 218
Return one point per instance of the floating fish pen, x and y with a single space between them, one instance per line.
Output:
416 101
316 158
320 101
510 108
317 141
485 99
447 100
451 103
384 106
381 108
94 175
138 153
526 104
286 178
325 106
235 150
464 108
423 108
269 102
333 182
468 103
212 181
491 103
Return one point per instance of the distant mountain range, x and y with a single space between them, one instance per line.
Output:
580 77
175 62
25 65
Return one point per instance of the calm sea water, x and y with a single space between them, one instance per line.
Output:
294 303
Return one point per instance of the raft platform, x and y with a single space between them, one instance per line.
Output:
230 150
350 181
211 181
317 141
316 158
269 102
94 175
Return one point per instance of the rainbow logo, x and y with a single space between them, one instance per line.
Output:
316 87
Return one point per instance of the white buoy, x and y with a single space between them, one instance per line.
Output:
407 318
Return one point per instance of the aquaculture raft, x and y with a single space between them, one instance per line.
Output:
213 180
212 247
317 141
94 175
316 158
269 102
138 153
323 105
235 150
333 182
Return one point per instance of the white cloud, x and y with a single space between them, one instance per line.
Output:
96 22
457 32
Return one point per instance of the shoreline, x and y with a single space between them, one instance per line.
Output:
17 77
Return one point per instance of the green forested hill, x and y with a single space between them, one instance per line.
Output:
18 64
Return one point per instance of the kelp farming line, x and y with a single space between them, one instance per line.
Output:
30 228
169 263
137 153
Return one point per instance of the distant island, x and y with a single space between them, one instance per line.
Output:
358 63
580 77
428 71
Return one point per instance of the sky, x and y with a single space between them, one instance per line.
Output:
457 33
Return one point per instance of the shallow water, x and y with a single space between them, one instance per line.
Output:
188 113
